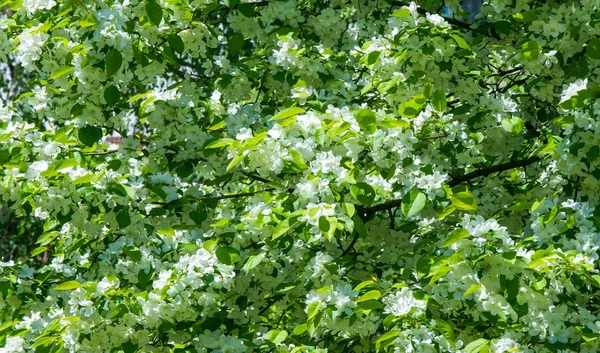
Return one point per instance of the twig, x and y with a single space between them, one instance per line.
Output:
492 169
351 246
511 84
100 153
257 178
576 188
223 197
368 211
272 301
392 215
237 196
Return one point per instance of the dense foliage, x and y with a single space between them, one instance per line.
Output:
302 176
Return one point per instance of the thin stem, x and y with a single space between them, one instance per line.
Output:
493 169
351 246
102 153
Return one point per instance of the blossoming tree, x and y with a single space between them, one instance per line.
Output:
303 176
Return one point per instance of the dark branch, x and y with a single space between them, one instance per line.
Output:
351 246
272 301
223 197
492 169
101 153
237 196
483 172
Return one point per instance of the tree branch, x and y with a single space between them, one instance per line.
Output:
483 172
351 246
237 196
101 153
492 169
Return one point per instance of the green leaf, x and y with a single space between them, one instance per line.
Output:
112 62
464 201
61 71
548 217
520 206
220 223
227 255
593 48
446 329
83 179
176 43
324 224
69 285
456 235
472 289
363 285
231 3
6 288
445 212
461 42
235 43
246 10
276 336
43 341
531 50
65 163
220 143
369 305
298 160
300 329
363 192
527 16
313 309
47 238
365 117
7 324
135 254
412 203
514 125
198 216
281 228
359 226
154 12
234 162
89 135
411 108
439 273
138 96
428 90
130 347
349 209
38 250
252 262
123 219
589 336
438 100
477 346
389 335
373 294
112 95
372 58
88 21
286 113
210 245
144 277
593 153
